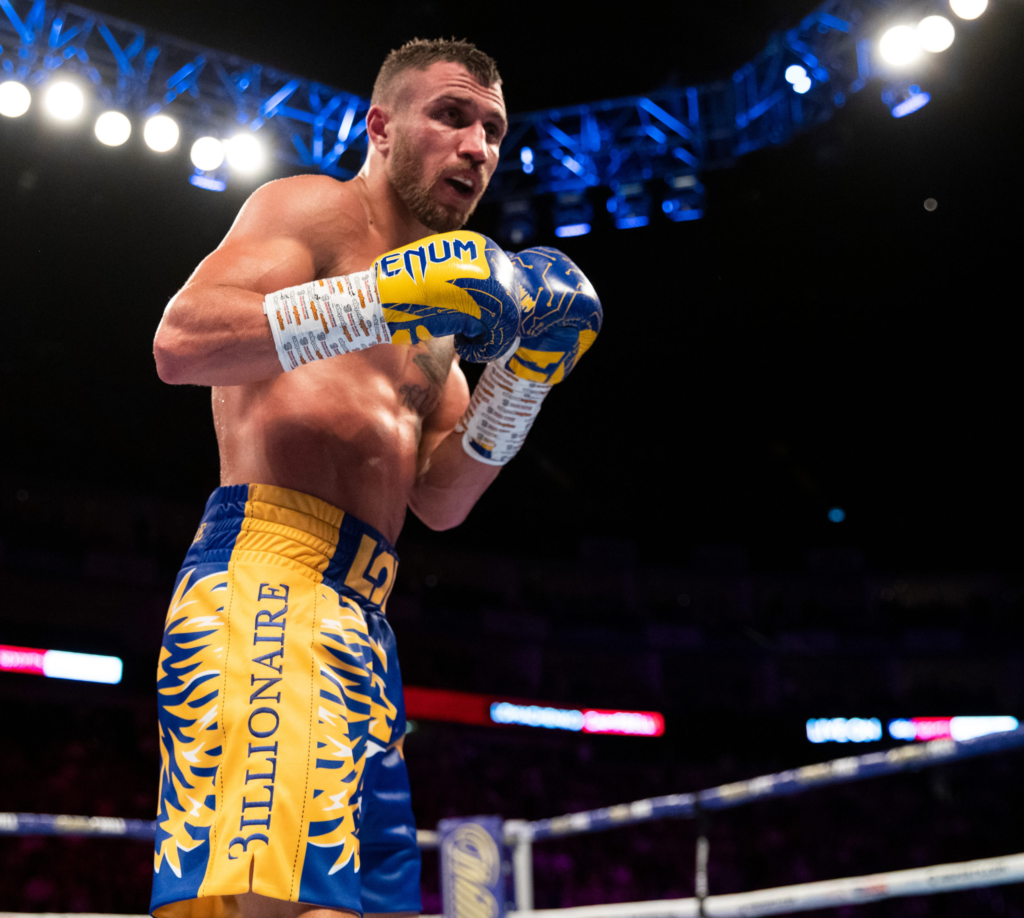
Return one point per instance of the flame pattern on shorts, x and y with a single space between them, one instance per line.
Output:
281 715
191 742
355 722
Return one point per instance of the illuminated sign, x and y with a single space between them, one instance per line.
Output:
60 664
907 729
957 728
623 723
844 729
488 710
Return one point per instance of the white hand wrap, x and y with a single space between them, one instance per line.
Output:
501 412
325 318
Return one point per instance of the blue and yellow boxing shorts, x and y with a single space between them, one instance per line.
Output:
281 715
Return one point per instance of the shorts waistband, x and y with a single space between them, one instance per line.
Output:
268 524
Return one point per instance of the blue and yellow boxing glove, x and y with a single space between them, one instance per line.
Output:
561 317
459 284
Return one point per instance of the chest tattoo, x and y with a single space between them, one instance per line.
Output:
434 364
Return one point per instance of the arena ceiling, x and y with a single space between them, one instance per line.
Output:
819 340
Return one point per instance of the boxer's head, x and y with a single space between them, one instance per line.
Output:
438 117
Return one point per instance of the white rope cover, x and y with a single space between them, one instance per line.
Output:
921 881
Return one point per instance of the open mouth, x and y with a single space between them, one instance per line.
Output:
464 187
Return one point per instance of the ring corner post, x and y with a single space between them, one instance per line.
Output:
519 837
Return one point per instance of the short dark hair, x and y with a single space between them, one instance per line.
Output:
420 53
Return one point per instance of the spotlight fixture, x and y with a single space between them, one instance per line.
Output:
526 158
14 99
207 154
686 201
968 9
64 101
518 222
798 78
113 128
244 153
572 215
630 206
900 45
935 33
904 100
161 133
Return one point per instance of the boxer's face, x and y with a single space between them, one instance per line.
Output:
447 131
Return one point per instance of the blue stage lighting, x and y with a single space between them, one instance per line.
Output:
526 158
204 181
572 214
518 224
572 229
686 201
911 105
631 206
802 86
675 210
795 73
836 515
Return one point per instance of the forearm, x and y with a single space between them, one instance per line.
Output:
215 336
451 485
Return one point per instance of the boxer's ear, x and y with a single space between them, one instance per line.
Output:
379 128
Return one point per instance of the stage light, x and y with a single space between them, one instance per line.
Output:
686 200
14 99
914 100
968 9
64 101
935 33
161 133
244 153
900 45
518 222
802 86
836 515
526 158
795 73
630 206
572 214
207 182
683 208
113 129
207 154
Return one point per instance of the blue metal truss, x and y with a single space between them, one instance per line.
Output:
314 126
681 131
672 133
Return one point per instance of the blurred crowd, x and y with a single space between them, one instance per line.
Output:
88 760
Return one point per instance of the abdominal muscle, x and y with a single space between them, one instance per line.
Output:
337 430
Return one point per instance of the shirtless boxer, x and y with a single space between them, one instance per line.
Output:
329 324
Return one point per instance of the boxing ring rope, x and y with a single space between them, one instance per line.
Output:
520 835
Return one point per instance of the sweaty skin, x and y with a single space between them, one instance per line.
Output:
369 432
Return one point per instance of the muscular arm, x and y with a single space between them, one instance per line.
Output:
450 482
214 332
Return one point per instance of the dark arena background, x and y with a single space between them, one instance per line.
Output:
779 502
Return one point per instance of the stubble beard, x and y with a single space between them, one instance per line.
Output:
416 193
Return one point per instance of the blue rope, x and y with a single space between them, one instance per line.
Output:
108 826
795 781
675 806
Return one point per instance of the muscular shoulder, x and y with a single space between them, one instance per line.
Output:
302 206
